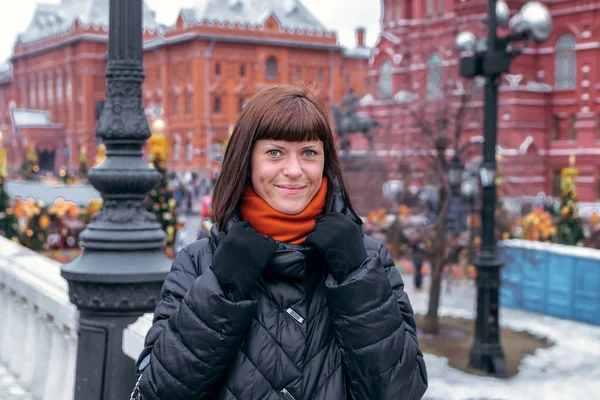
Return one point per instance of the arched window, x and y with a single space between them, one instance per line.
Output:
242 70
385 80
41 91
50 89
434 75
218 69
217 105
189 151
565 62
32 92
176 151
59 88
271 69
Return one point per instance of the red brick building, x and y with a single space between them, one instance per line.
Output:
198 73
549 104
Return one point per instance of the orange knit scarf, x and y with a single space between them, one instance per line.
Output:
285 228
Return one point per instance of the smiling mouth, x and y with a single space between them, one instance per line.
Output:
291 189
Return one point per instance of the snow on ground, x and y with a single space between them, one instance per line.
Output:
569 369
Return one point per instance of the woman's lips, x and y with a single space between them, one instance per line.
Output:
291 189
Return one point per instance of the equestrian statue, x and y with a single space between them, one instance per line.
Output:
347 121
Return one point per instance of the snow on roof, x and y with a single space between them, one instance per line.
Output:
291 14
52 19
358 52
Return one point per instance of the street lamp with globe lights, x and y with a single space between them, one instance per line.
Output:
490 58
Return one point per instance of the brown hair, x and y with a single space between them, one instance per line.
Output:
281 112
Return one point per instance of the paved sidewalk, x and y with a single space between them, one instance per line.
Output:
9 389
570 369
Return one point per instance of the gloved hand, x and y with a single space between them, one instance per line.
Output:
242 255
339 240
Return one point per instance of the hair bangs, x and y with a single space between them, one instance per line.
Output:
293 119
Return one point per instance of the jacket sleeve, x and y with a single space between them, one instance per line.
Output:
195 334
376 331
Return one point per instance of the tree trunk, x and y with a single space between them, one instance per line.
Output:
437 261
431 324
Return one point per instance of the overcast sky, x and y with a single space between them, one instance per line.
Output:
342 16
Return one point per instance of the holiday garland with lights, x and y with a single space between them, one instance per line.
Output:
29 166
9 225
161 201
569 227
83 170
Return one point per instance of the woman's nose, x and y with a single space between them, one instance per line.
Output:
292 167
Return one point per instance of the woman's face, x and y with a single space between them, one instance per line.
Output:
287 175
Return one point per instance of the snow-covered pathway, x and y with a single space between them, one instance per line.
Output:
570 369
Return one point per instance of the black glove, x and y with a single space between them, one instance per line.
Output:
242 255
339 240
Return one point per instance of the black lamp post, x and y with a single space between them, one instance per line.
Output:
120 272
491 58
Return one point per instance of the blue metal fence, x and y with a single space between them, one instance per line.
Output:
557 280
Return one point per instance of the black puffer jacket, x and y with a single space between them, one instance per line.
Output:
303 337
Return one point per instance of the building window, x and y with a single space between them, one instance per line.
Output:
556 192
565 62
176 151
434 75
189 151
598 127
188 104
218 69
572 130
389 17
50 90
441 7
385 80
41 94
217 105
399 11
69 89
32 94
59 89
175 105
555 132
271 69
430 8
298 74
321 75
242 70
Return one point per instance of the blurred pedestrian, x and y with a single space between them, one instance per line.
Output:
287 298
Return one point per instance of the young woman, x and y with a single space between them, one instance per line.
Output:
286 299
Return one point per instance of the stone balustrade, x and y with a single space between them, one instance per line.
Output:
38 333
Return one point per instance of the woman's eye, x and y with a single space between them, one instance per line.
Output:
310 153
273 153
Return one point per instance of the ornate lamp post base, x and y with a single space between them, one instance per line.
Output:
486 353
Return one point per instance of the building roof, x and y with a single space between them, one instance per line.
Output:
78 194
291 14
357 52
5 72
52 19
